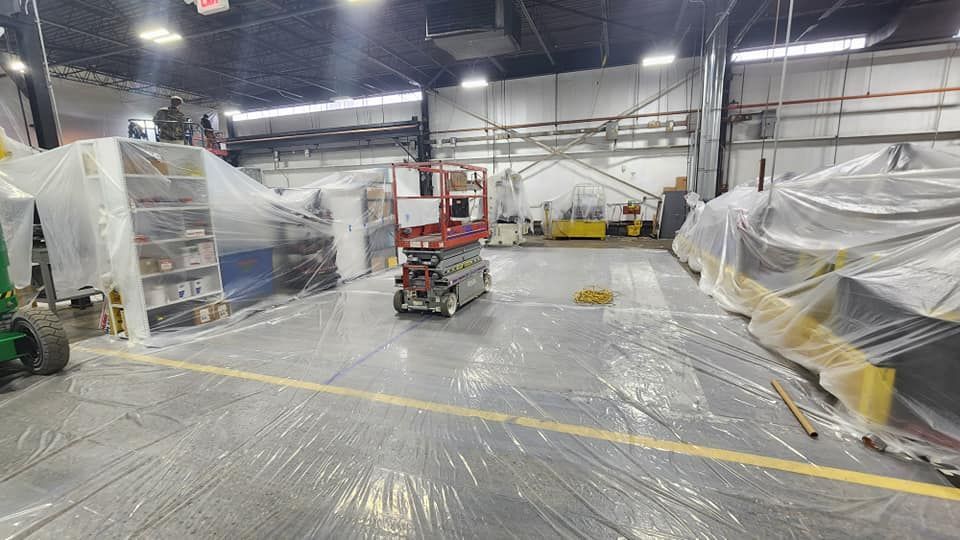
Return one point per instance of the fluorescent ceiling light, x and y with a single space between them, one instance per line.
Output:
958 34
801 49
474 83
151 35
661 60
168 38
18 66
343 103
232 112
341 99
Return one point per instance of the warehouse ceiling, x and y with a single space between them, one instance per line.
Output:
264 53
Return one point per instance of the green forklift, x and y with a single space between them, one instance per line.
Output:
34 336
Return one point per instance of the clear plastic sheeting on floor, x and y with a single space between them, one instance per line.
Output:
524 416
852 272
181 242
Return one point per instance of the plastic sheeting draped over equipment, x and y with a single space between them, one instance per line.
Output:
184 241
581 213
852 272
510 200
16 217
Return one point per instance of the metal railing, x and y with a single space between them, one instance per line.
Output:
194 134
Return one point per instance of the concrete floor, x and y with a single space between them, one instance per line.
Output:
523 416
82 323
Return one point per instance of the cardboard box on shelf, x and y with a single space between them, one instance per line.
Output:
208 255
149 266
459 181
377 193
222 310
377 210
204 314
189 256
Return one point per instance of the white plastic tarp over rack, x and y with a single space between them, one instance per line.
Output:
852 272
179 237
585 202
16 218
510 199
582 212
359 205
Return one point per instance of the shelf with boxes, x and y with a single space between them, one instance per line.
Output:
164 254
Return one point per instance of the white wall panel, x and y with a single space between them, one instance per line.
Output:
867 73
651 159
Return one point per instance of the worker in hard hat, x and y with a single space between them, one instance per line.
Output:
171 122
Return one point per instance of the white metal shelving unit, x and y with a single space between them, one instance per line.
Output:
155 213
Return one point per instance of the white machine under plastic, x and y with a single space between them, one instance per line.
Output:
510 213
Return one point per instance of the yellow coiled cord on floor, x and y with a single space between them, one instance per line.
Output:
592 295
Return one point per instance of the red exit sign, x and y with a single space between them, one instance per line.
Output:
209 7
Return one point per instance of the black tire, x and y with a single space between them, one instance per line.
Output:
487 282
448 304
46 343
398 302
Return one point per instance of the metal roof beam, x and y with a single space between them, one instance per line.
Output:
78 31
207 33
826 14
556 6
605 33
536 32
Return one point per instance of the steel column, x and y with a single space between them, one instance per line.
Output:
424 147
705 161
36 78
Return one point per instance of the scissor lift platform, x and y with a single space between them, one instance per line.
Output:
443 270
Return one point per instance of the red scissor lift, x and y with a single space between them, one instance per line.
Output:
444 270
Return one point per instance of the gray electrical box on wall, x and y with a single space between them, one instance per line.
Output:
613 131
768 124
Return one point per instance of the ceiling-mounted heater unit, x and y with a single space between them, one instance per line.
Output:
474 29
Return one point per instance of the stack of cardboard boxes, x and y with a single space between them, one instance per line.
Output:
679 185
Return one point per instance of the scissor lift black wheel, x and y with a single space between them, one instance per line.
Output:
448 304
45 348
398 299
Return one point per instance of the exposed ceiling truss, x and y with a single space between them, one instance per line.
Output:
282 52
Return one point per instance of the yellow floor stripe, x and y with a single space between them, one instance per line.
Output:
786 465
